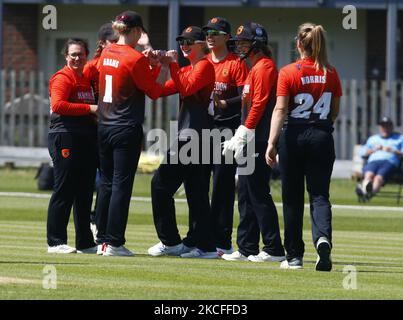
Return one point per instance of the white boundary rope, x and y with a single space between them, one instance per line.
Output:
147 199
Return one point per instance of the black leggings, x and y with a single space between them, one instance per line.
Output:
305 152
165 183
119 153
74 157
257 212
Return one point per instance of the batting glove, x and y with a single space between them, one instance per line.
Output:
242 136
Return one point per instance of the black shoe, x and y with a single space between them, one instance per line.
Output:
294 263
324 261
369 188
369 194
360 193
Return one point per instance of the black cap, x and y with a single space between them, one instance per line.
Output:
106 32
131 19
219 24
251 31
385 120
192 33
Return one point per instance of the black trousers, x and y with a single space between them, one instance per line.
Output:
166 181
74 157
119 153
305 152
222 202
257 211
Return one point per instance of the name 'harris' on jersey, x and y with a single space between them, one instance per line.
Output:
310 92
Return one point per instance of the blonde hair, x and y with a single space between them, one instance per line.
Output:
120 27
313 43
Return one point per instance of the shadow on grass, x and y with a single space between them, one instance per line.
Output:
368 264
44 262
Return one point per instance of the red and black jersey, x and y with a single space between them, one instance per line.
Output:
70 99
230 73
124 79
310 91
91 70
258 97
195 86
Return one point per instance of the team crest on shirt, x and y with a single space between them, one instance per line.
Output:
239 31
188 30
65 153
225 72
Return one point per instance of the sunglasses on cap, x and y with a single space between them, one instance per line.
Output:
212 32
188 42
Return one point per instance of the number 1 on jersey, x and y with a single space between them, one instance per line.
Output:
108 89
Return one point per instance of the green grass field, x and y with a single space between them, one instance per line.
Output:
369 239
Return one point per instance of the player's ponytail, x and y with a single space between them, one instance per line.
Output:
99 49
120 27
313 43
105 34
319 48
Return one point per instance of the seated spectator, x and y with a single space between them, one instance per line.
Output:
383 152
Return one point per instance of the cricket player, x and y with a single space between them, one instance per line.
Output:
308 97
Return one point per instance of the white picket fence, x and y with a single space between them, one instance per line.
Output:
362 105
24 108
24 111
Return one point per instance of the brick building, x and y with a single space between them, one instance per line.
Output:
357 53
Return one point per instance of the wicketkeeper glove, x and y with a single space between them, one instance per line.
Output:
242 136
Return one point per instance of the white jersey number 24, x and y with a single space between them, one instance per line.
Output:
305 101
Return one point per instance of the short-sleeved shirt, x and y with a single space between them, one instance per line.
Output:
394 141
124 79
259 97
230 73
310 91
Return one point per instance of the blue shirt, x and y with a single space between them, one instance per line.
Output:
394 141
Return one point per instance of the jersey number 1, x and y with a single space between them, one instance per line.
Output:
108 89
305 101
